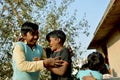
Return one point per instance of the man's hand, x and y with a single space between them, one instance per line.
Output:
52 62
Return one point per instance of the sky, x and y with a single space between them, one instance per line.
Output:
94 10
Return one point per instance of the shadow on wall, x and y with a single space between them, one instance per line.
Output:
114 73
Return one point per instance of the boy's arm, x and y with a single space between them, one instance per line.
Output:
89 78
60 70
44 56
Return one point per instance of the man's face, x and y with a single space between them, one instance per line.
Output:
54 42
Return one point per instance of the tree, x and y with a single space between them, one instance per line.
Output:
49 14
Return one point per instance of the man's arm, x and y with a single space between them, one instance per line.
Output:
23 65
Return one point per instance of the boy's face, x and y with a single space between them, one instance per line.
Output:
32 37
54 43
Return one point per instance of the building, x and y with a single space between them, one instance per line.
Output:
107 37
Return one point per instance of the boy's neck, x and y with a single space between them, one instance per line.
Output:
59 49
31 46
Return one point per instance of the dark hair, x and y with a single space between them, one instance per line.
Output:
28 27
95 61
56 34
84 66
104 69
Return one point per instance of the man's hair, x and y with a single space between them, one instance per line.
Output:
56 34
95 60
29 27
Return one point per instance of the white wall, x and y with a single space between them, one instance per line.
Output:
114 52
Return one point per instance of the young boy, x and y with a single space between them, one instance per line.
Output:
93 68
56 41
26 52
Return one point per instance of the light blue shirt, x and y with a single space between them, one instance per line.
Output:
88 72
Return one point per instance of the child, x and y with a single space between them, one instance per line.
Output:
94 66
56 41
27 51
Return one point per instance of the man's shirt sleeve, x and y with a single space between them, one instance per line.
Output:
22 64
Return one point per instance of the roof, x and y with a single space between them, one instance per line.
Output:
109 21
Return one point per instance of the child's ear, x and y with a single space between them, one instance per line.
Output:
23 36
59 39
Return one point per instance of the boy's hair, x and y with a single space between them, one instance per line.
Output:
29 27
95 61
56 34
84 66
104 69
